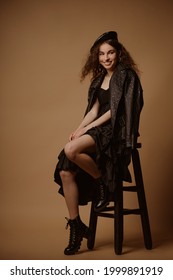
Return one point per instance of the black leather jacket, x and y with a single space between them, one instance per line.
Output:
126 104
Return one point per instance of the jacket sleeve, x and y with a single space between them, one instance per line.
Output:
133 105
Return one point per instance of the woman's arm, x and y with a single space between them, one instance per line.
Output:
104 118
89 118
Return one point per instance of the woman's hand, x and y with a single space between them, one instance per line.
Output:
79 132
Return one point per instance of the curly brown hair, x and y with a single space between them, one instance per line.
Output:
93 67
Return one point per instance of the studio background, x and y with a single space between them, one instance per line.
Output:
43 47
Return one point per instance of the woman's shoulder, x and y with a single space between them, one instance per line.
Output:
124 74
130 75
126 69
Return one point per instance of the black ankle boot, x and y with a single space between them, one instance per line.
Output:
102 195
78 231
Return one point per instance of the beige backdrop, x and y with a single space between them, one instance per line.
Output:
43 46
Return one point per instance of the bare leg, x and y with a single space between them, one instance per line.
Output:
70 193
77 151
78 230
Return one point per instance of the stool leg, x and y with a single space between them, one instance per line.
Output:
92 227
118 219
142 199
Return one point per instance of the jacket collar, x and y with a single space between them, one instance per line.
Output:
98 81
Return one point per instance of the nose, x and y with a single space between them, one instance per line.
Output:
106 57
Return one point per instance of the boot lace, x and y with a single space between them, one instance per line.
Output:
72 237
100 193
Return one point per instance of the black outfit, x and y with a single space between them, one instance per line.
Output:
115 138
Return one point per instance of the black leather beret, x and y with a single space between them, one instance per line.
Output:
104 37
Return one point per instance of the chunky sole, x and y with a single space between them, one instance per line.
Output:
75 250
86 234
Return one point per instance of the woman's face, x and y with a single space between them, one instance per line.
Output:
107 56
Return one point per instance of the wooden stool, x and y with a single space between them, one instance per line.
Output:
118 211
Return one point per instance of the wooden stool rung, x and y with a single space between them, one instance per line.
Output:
107 215
132 211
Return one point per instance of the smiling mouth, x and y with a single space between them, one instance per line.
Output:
108 63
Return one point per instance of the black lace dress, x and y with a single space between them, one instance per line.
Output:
102 135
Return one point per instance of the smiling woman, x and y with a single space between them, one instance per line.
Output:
99 150
107 57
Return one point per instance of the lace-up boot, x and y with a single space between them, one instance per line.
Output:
78 231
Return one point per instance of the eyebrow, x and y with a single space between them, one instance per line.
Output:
108 51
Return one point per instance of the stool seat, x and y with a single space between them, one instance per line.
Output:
117 211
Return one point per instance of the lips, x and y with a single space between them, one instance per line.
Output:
107 63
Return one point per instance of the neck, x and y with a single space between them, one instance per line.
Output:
109 74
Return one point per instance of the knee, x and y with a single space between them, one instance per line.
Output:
66 176
70 151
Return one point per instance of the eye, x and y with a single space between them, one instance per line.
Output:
112 52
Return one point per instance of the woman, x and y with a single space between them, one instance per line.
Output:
98 152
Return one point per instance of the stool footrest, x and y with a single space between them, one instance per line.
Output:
107 215
125 212
132 211
130 189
